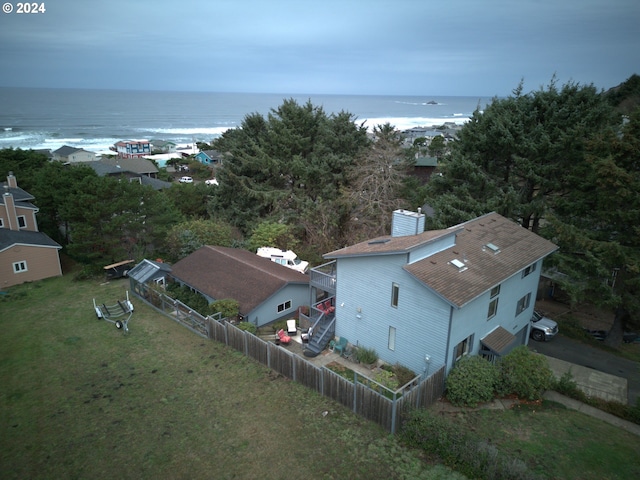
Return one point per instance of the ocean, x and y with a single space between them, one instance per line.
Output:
96 119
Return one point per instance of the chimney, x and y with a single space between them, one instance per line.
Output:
10 206
11 180
405 222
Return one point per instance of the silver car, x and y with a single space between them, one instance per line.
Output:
542 328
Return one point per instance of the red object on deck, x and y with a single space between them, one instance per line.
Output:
284 338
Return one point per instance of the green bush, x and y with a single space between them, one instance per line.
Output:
248 327
366 355
403 374
228 307
471 381
566 386
460 450
387 379
524 373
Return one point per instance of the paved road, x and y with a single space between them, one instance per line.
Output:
575 352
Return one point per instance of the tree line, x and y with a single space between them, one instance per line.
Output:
562 161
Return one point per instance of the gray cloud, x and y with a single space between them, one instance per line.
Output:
460 47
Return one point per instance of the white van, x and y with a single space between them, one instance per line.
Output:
288 258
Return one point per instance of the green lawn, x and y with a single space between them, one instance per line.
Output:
80 399
558 443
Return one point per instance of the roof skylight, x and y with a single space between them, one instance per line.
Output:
494 248
458 264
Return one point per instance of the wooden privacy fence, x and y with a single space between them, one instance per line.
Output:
364 396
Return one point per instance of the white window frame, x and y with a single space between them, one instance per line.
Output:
20 267
462 348
395 294
284 306
493 309
392 338
22 221
1 222
523 304
529 270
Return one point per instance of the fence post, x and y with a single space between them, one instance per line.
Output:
226 334
394 412
293 368
355 391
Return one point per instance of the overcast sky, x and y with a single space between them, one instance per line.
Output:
394 47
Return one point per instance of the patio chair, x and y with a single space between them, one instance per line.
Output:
340 345
292 330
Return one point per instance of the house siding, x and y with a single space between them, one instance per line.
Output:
416 316
42 262
472 319
267 312
430 248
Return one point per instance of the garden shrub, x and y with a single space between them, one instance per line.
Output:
248 327
524 373
459 450
228 307
471 381
386 378
403 374
366 355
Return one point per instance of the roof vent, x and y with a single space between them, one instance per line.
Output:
381 240
458 264
492 247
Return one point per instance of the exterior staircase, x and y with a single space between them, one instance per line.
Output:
323 331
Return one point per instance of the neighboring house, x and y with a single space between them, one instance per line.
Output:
146 174
133 148
163 146
209 157
148 272
26 255
69 154
265 291
429 298
424 168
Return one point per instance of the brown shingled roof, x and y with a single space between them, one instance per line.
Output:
222 272
518 248
499 341
389 245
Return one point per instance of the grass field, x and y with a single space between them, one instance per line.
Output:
558 443
79 399
82 400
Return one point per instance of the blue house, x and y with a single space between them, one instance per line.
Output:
424 299
265 291
209 157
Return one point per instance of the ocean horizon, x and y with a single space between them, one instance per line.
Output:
43 118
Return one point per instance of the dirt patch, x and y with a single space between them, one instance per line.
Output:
589 316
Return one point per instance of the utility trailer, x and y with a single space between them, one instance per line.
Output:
118 270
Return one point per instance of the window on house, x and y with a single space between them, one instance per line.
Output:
284 306
462 348
523 304
495 291
20 266
395 292
493 309
528 270
1 223
22 221
392 338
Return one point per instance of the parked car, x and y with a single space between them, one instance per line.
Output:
542 328
211 181
186 180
